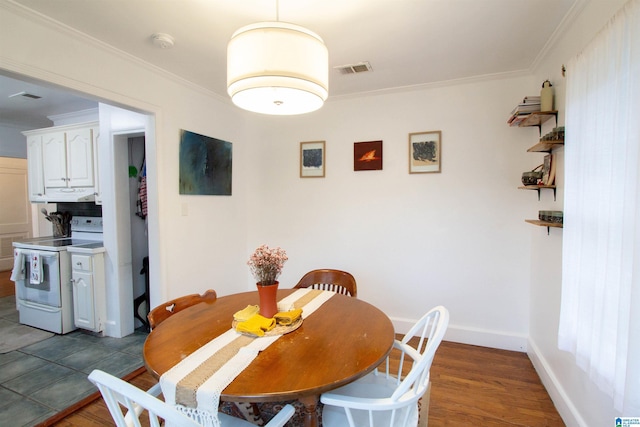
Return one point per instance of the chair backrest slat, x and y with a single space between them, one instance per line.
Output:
432 326
337 281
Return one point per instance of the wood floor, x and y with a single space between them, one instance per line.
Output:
7 287
471 386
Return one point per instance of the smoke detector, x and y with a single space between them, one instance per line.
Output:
360 67
162 40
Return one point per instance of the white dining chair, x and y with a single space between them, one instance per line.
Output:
385 397
135 401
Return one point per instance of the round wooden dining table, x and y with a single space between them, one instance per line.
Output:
343 340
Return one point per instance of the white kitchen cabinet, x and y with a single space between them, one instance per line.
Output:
95 133
87 278
54 154
68 160
35 169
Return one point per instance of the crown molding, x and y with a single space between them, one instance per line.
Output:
576 8
435 85
61 28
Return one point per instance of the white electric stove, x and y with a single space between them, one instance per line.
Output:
42 273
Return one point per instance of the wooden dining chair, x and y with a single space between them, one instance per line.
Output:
119 395
165 310
330 280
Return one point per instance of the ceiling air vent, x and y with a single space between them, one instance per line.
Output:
360 67
25 95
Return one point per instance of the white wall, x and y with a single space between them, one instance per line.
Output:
12 142
578 400
412 241
195 242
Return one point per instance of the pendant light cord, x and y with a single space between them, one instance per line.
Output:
277 10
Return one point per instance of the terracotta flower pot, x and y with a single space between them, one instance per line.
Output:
268 303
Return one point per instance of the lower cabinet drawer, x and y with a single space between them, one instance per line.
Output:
81 262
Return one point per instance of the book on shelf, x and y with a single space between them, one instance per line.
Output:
516 119
552 171
530 104
526 108
548 170
531 100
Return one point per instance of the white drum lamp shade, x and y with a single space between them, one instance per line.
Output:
277 68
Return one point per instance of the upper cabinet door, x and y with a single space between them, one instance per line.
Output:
54 156
80 158
35 169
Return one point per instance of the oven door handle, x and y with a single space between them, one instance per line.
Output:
40 307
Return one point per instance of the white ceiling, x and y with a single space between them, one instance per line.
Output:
407 42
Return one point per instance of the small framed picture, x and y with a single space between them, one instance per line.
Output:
425 151
367 156
312 159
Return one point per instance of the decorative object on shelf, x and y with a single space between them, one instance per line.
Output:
266 265
548 170
205 165
557 134
555 217
425 151
532 178
546 96
367 156
312 159
277 68
530 104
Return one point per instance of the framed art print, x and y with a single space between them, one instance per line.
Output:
367 156
312 159
425 151
205 165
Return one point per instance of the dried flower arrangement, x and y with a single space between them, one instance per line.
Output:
266 264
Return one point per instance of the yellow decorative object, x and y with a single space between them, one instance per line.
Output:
288 317
246 313
257 325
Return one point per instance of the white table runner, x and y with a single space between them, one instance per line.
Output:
194 385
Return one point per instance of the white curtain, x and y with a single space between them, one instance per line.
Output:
600 309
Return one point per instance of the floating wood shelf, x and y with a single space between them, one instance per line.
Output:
545 146
544 224
536 118
538 187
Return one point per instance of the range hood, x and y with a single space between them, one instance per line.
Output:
85 194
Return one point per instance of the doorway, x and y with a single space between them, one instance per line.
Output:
125 138
139 233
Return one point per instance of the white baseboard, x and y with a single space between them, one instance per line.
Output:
481 337
560 398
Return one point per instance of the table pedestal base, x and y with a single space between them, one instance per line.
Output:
310 410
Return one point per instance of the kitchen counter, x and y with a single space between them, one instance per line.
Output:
87 248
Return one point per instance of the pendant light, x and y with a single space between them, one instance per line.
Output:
277 68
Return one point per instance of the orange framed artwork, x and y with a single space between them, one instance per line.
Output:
367 156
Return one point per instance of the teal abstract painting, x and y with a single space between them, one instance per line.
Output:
205 165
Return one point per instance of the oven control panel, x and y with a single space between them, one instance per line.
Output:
90 224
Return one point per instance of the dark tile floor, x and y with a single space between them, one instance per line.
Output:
42 379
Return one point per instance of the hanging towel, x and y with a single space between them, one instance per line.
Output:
142 192
36 268
18 265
